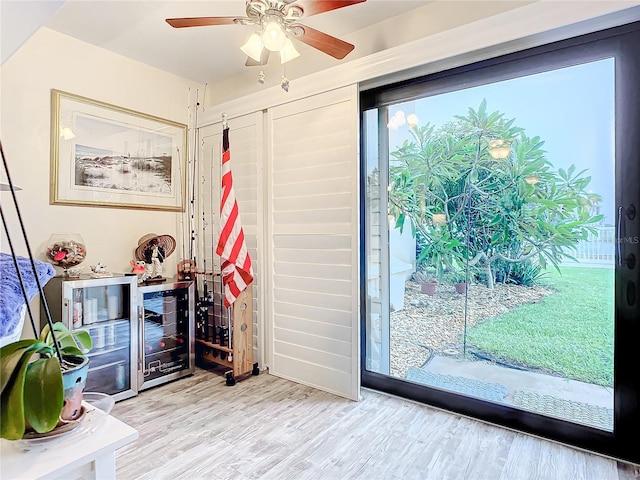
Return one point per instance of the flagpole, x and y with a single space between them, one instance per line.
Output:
203 305
213 332
185 185
222 289
192 246
225 126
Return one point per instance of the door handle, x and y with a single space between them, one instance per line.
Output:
629 213
140 338
629 260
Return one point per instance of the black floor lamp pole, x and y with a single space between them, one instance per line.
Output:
33 264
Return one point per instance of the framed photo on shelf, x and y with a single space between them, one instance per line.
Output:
108 156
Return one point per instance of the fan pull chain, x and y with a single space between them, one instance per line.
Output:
284 83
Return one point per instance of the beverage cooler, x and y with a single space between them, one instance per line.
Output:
142 335
107 309
166 332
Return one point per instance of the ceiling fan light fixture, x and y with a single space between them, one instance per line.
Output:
253 47
276 21
273 36
288 52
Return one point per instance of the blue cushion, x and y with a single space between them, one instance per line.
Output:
11 296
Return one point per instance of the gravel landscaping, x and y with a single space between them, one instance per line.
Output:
430 325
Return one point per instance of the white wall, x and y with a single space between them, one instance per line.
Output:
52 60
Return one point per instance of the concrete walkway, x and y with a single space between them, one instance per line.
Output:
514 379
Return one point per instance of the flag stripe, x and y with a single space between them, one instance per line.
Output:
229 227
236 267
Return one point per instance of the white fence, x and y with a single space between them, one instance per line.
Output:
598 249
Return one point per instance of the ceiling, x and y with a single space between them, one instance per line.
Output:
137 29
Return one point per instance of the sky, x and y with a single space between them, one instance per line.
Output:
117 138
571 109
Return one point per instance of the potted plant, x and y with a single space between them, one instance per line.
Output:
427 283
459 280
38 395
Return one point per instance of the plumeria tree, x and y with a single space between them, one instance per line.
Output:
478 192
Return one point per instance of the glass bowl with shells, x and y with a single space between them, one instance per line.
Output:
66 251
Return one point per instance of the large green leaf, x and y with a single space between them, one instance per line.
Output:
71 350
10 354
66 337
11 400
44 394
45 334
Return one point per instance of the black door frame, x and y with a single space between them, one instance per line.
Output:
619 42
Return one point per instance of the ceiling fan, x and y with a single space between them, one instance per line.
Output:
278 21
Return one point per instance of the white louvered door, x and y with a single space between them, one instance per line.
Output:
312 241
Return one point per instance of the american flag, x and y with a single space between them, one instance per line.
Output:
236 263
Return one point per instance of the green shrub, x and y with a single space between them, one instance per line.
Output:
516 209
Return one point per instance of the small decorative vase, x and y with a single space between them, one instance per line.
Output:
66 251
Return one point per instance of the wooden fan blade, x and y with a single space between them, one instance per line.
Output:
200 21
264 58
313 7
325 43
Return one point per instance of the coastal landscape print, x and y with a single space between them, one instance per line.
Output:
113 156
103 155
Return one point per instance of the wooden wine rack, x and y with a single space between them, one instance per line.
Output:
238 357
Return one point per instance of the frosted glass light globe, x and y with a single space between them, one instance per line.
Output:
273 37
288 52
253 47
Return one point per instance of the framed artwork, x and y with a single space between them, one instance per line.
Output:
108 156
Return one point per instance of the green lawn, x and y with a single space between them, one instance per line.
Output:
569 333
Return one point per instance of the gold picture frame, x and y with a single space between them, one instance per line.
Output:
108 156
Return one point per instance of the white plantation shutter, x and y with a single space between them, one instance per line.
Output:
313 234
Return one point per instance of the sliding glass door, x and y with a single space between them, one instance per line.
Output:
498 234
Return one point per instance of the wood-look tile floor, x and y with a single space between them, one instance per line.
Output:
265 427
